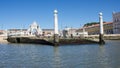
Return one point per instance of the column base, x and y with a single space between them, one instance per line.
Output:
101 40
56 39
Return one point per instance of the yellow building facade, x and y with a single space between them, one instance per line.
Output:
95 29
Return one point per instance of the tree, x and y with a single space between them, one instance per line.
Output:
90 24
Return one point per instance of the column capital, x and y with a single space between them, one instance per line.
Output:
100 13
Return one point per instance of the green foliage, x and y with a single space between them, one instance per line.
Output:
91 23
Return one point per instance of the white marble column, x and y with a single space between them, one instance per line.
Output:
101 23
56 32
56 22
101 35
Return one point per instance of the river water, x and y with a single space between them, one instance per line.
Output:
67 56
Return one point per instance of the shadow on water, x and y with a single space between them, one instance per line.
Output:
26 44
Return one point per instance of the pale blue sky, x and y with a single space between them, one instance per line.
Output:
71 13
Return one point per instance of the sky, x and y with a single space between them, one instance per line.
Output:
71 13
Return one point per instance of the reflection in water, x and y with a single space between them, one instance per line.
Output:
75 56
103 58
57 61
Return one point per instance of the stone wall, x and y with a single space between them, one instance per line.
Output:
107 37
